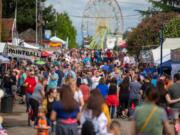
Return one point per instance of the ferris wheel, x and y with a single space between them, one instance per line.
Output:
100 15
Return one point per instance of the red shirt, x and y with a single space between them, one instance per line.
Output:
30 84
112 100
85 91
109 54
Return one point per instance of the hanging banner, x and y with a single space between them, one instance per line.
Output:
110 42
21 52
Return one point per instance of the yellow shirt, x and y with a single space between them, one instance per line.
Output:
105 110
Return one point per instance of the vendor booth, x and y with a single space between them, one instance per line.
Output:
168 45
56 42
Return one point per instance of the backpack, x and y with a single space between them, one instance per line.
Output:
88 128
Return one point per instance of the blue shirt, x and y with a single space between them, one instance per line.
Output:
86 60
154 82
61 113
103 88
53 83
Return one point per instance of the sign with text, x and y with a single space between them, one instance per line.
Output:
21 52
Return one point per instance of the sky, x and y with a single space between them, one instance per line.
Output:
76 8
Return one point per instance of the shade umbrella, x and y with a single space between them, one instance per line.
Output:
40 62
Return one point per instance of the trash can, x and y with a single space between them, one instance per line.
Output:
7 104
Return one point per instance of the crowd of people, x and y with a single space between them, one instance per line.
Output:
81 91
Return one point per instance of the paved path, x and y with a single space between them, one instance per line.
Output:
16 123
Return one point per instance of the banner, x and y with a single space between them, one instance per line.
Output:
47 34
110 42
175 55
21 52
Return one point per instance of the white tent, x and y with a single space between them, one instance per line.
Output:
26 45
168 45
57 40
4 59
17 41
2 46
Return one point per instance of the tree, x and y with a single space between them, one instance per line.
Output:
147 32
172 29
65 29
166 5
8 8
161 6
49 18
26 13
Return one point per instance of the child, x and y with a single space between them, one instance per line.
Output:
2 131
115 128
42 124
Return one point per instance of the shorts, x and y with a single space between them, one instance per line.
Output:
176 113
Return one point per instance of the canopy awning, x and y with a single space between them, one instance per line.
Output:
2 46
4 60
57 40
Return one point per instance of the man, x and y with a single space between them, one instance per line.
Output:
174 94
60 75
30 84
69 72
135 91
53 79
85 89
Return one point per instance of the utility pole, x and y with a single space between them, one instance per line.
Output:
0 19
36 22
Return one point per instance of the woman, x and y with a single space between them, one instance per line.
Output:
65 113
36 98
112 98
93 112
162 92
49 100
149 119
103 87
78 96
124 97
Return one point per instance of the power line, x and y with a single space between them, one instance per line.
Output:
131 3
105 17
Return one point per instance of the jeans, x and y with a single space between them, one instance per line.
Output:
28 95
112 110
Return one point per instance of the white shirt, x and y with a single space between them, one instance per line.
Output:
95 81
100 123
78 96
126 60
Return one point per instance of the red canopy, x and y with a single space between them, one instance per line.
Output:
46 54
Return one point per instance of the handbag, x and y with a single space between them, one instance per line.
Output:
147 120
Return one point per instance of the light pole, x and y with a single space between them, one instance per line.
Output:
36 22
161 51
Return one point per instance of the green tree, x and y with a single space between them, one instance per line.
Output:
26 13
172 29
49 18
65 29
147 32
8 8
161 6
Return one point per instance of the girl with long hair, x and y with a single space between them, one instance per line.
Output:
65 113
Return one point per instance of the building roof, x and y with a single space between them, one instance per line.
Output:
28 35
7 24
